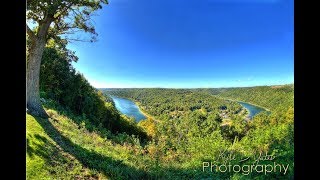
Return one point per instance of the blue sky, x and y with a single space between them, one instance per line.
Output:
189 44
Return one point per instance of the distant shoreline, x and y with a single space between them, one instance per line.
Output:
245 102
142 111
139 107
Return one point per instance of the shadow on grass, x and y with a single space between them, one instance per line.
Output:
124 136
114 169
56 162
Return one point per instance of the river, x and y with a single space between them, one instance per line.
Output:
253 110
128 107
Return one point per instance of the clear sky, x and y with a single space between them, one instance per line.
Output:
189 44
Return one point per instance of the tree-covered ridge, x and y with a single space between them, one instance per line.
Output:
175 103
273 98
191 136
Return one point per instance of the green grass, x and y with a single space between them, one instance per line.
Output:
58 148
46 159
63 148
66 146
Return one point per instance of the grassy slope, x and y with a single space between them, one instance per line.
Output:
59 148
62 148
45 158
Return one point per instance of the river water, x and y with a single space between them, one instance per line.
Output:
128 107
253 110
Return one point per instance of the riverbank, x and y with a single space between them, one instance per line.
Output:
244 102
256 105
138 106
248 111
142 110
251 109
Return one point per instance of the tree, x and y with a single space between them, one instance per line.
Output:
53 18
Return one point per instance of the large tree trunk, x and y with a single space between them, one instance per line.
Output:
33 71
38 43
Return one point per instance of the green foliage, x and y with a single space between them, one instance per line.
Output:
68 16
195 124
178 147
58 148
90 139
175 103
60 82
87 138
275 98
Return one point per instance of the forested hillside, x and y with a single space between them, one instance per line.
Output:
173 103
61 83
189 124
273 98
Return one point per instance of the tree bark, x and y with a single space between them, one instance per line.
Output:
38 43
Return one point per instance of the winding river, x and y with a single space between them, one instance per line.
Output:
253 110
130 109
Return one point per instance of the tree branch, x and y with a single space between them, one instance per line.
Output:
30 32
77 40
64 10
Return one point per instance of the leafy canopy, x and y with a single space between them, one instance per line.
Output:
67 16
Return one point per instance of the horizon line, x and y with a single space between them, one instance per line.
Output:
193 87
